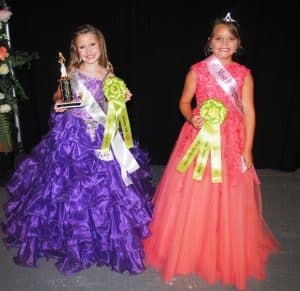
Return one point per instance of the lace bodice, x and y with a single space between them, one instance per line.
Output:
207 87
232 129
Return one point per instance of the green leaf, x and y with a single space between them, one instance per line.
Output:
5 132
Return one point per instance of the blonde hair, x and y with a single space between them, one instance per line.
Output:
75 61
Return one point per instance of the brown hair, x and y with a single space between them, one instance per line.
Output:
234 29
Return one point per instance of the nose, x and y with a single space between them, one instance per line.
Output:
225 40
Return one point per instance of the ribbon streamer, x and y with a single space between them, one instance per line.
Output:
115 90
208 140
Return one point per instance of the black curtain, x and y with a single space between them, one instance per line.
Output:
151 46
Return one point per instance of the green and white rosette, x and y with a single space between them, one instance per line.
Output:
208 140
114 90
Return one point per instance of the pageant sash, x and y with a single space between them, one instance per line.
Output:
126 160
208 140
225 80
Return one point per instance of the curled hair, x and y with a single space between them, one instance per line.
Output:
234 29
75 61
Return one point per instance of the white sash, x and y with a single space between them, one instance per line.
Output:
124 157
224 79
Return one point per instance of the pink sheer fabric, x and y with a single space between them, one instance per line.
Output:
216 231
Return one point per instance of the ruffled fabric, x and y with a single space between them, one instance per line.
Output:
216 231
69 205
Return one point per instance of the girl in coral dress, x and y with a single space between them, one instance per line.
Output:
207 216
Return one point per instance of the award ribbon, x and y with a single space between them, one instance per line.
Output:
208 140
114 90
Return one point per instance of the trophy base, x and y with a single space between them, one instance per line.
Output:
71 104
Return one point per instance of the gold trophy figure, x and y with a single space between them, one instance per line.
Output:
67 99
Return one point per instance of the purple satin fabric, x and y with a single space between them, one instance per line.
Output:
67 204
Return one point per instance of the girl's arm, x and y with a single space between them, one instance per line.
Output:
57 95
186 98
249 118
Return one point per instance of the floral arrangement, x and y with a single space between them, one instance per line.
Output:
11 91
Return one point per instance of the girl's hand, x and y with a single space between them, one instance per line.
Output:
197 121
247 159
57 109
128 95
57 99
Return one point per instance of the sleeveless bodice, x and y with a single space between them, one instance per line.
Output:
94 85
207 87
232 129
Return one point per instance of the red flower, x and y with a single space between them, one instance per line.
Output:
3 53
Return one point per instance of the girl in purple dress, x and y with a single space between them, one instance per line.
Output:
67 200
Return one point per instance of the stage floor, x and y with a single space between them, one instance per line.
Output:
281 207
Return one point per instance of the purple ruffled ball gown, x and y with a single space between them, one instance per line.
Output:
67 204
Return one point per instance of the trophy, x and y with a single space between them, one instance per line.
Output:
67 99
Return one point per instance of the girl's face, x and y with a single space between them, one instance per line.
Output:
223 43
88 48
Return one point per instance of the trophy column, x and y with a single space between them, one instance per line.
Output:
67 99
65 89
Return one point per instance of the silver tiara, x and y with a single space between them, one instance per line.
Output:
228 18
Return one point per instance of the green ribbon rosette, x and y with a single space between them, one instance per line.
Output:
114 90
208 140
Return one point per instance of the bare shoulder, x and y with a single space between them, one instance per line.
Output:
191 75
249 80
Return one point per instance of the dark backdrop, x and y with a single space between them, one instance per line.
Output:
152 44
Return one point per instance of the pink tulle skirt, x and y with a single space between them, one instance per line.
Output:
215 231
